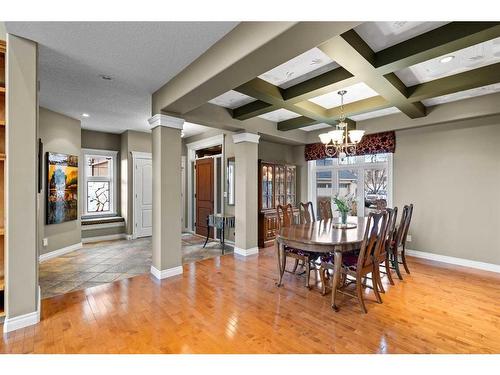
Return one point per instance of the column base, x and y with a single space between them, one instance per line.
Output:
246 252
169 272
22 321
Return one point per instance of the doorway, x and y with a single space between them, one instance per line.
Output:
204 194
143 194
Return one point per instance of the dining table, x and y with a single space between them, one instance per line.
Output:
323 236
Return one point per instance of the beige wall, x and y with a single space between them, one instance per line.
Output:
21 263
451 173
130 141
61 134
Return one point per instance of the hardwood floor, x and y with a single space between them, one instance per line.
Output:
231 305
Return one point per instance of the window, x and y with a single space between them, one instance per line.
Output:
365 177
99 172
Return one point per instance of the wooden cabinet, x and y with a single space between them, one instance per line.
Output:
277 185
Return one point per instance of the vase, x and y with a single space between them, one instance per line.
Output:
343 218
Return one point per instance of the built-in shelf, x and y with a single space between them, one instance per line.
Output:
2 283
2 122
2 88
2 231
2 156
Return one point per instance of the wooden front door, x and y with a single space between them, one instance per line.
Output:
204 194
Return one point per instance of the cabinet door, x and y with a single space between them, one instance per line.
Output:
267 186
290 185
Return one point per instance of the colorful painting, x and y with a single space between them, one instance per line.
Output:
62 188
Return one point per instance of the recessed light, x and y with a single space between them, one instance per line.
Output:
106 77
85 115
447 59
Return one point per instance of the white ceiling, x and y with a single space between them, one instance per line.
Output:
381 35
316 127
373 114
279 115
485 90
189 129
465 59
356 92
140 56
232 99
299 69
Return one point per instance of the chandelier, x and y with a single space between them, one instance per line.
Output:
337 141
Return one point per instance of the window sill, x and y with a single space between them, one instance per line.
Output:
102 222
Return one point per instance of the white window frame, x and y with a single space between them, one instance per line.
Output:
112 181
360 167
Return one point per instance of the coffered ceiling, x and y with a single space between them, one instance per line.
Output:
385 67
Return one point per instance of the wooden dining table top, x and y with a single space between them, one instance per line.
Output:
323 234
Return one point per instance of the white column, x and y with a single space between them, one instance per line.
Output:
167 231
246 202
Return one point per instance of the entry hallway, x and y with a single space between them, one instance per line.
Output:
231 304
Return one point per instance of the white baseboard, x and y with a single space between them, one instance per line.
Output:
456 261
129 237
109 237
246 252
163 274
59 252
18 322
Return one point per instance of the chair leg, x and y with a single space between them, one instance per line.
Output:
308 272
379 278
322 274
403 258
376 285
359 292
395 264
295 266
388 271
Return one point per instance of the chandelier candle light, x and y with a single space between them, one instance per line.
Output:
337 141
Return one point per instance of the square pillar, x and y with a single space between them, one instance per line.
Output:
167 231
246 147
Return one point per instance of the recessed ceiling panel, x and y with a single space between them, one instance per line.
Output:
279 115
316 127
232 99
381 35
354 93
373 114
473 57
307 65
189 129
485 90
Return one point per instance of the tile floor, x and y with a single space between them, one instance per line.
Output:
103 262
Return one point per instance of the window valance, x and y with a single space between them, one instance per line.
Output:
376 143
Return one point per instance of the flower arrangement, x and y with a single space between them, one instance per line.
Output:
344 205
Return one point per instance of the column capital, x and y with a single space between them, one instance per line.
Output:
167 121
246 137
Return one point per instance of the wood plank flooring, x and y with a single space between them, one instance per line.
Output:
230 304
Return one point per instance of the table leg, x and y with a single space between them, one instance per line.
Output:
280 254
208 234
222 236
337 269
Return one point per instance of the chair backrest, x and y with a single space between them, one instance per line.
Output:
381 204
285 215
374 238
306 213
407 224
399 232
325 209
391 228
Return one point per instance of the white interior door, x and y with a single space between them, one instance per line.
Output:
143 197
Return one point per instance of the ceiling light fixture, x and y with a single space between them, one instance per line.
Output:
337 141
85 115
447 59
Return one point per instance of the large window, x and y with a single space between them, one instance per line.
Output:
366 178
99 172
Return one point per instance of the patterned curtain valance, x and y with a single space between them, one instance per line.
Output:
376 143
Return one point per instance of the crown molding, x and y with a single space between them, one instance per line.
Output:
167 121
245 137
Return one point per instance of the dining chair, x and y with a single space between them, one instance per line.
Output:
398 244
383 256
285 219
381 204
306 213
325 210
357 267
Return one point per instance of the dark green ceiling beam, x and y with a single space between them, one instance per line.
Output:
471 79
438 42
302 122
352 52
361 106
253 109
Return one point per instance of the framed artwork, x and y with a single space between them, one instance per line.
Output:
62 188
